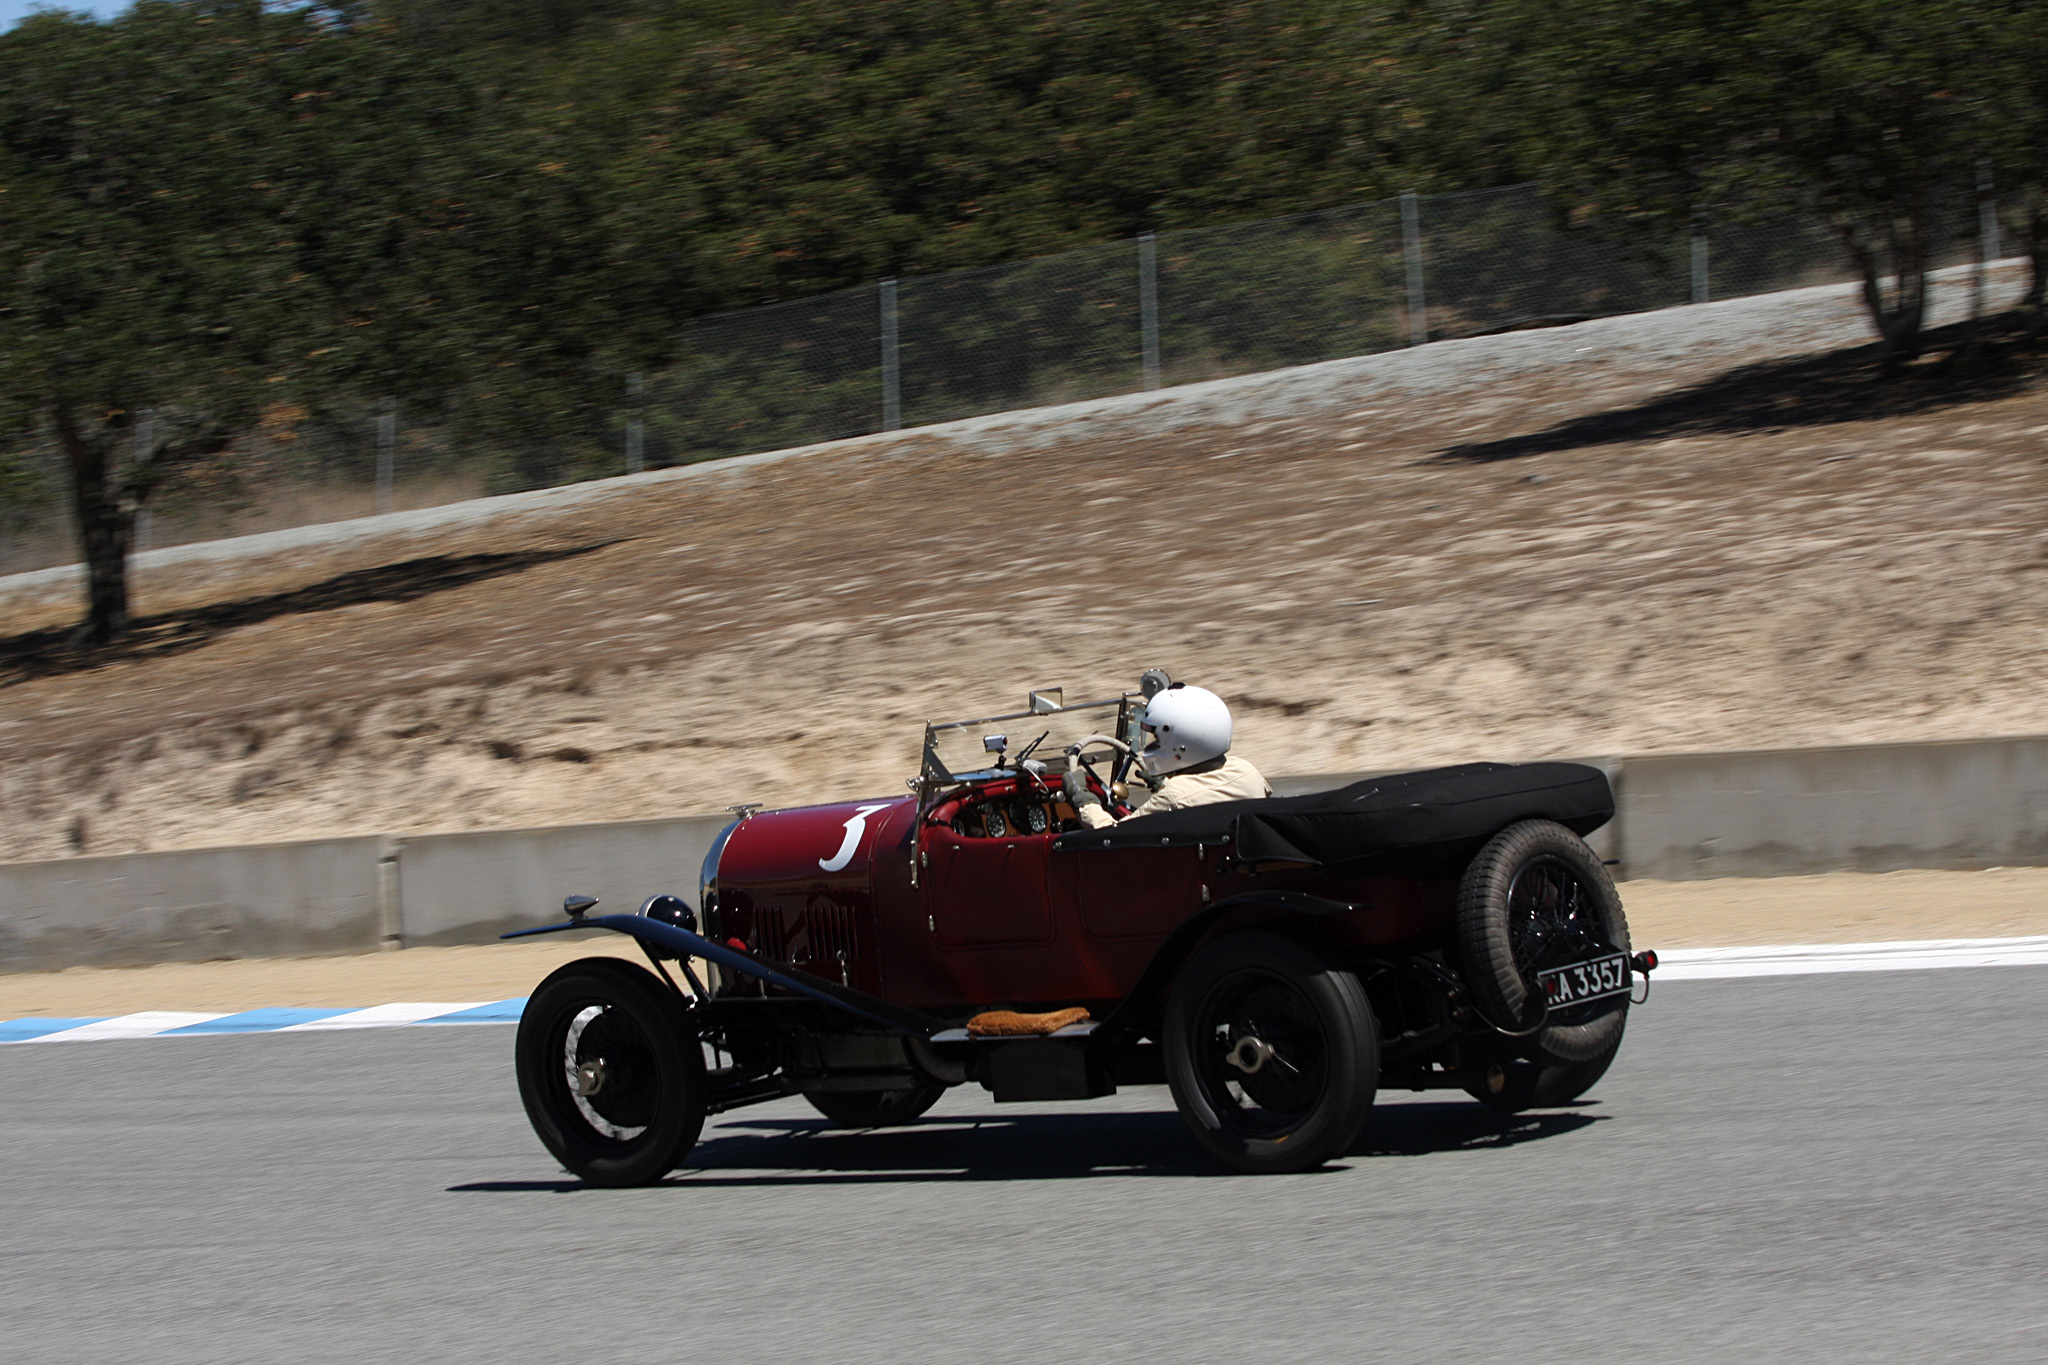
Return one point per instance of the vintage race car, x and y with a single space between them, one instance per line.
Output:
1272 961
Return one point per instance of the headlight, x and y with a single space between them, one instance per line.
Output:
670 910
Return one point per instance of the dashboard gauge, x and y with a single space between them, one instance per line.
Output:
995 822
1035 819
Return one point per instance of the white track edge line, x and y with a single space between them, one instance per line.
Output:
141 1024
385 1016
1677 964
1804 959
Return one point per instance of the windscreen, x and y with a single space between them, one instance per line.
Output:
964 747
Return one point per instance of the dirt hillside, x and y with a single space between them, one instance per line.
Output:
1659 553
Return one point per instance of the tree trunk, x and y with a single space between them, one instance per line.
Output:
2037 252
1898 318
105 519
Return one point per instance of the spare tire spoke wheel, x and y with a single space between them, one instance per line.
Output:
1536 899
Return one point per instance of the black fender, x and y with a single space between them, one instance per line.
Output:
1148 997
678 942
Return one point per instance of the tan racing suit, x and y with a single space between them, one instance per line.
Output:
1228 778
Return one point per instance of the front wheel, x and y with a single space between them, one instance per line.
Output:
1271 1052
610 1072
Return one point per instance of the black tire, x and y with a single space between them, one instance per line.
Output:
874 1108
1534 898
1538 1085
1304 1101
647 1107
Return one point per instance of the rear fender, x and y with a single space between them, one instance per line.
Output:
677 942
1296 909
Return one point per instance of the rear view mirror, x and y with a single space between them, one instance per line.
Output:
1046 700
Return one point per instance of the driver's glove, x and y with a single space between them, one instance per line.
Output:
1087 805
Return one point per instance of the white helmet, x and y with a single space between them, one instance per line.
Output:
1189 725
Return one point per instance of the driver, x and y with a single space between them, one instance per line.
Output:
1188 762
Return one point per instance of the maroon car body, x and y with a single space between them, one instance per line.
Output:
1272 961
1022 921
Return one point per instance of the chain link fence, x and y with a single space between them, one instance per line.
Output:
1175 308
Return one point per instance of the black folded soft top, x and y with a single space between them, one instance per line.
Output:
1404 818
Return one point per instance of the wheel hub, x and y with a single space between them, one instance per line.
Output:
589 1078
1250 1054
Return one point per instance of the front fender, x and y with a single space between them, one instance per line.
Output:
682 943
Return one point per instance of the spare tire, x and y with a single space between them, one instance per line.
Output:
1537 898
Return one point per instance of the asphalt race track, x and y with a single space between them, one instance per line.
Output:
1847 1167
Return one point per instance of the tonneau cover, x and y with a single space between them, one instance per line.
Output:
1404 820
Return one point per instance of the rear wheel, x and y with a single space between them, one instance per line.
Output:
1536 898
610 1072
1271 1052
874 1108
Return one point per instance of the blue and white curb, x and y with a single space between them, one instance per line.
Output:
178 1024
1679 964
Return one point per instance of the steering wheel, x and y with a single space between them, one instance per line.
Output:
1123 764
1117 808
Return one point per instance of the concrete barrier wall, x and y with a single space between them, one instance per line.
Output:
469 888
1968 804
1865 808
268 900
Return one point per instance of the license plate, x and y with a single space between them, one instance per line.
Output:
1582 981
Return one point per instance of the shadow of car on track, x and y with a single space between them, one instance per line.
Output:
1040 1146
1426 1127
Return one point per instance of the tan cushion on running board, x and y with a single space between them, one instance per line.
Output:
1010 1024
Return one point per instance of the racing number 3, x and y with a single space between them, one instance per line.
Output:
855 827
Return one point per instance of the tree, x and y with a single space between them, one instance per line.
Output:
148 279
845 142
1868 113
2021 150
1873 113
214 211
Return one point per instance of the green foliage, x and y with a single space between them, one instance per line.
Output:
145 264
1866 113
768 378
242 218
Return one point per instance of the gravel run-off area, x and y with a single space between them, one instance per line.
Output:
1707 528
